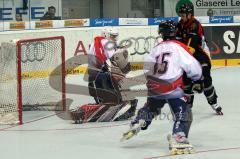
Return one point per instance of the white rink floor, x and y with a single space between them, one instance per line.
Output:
46 136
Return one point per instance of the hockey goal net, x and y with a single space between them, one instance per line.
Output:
25 70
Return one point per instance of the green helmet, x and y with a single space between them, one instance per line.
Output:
184 6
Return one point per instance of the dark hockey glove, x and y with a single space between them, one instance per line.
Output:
198 86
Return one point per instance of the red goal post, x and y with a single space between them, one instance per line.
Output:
25 68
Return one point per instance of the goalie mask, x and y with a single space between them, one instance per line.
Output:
104 32
112 35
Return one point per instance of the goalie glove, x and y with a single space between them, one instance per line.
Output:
120 59
115 71
198 85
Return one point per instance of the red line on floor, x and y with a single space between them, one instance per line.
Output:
202 151
67 129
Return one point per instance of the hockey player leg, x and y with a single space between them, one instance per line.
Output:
189 94
189 120
141 122
189 99
178 142
209 91
212 99
134 130
144 117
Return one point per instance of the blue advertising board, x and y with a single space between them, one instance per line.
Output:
156 21
221 19
104 22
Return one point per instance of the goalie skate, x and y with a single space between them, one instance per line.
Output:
179 148
134 130
77 115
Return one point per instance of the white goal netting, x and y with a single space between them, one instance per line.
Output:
25 71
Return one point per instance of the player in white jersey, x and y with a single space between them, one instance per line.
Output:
164 68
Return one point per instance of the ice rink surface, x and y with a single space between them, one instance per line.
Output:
47 136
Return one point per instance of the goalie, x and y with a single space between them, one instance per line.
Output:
107 66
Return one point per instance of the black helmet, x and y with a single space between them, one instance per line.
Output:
167 29
186 8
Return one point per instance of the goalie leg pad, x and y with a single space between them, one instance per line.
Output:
127 111
109 114
98 113
82 113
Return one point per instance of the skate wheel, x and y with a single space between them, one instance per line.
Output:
127 136
186 151
180 151
191 150
173 151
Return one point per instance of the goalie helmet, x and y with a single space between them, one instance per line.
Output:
112 34
104 32
167 29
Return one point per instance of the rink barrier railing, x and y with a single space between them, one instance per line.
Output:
83 69
100 22
81 23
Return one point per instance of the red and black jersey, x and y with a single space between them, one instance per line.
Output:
190 29
191 33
